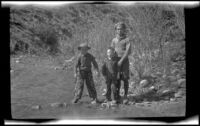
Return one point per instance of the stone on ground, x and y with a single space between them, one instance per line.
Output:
106 105
140 104
178 94
17 61
182 82
172 78
57 104
172 99
36 107
175 71
144 83
166 91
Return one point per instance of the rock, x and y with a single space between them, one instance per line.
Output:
106 105
172 78
182 82
57 68
11 71
146 102
164 76
166 91
17 61
132 84
57 104
36 107
167 98
158 73
179 94
178 76
175 64
125 101
103 105
174 83
172 99
144 83
131 103
131 95
152 88
175 71
140 104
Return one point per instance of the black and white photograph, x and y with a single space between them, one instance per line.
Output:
90 61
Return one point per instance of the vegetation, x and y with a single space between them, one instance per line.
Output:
157 33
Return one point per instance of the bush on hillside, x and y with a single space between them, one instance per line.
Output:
47 38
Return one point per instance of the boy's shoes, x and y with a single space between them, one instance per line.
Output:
74 100
95 101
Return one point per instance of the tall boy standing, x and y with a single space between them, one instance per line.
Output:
122 46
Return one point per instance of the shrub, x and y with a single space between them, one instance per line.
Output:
48 38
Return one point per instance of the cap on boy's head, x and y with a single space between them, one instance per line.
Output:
83 45
122 25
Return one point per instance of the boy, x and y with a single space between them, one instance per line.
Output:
122 46
110 73
83 74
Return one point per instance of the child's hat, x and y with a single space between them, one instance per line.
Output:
83 45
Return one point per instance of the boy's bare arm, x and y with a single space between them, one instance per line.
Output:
95 66
76 68
128 48
94 62
112 44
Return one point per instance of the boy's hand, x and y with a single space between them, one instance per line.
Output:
119 63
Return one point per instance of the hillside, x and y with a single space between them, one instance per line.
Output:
157 32
73 24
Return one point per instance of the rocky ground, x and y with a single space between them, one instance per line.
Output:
40 89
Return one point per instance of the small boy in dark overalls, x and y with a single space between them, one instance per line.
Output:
111 74
83 74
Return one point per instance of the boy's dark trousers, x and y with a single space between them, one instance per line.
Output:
126 86
87 78
111 87
124 76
